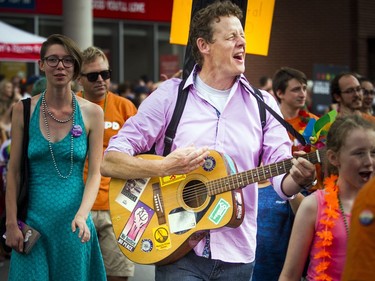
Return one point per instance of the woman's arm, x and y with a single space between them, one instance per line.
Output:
300 240
93 117
14 235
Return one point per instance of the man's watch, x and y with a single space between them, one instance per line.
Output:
310 185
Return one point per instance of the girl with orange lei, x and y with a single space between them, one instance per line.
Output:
321 227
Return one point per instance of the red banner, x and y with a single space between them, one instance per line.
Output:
21 52
144 10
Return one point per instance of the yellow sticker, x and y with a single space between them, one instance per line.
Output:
171 179
162 237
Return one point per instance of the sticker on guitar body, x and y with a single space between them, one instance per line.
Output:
162 237
131 192
182 221
164 181
219 211
135 226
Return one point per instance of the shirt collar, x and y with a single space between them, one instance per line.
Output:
190 80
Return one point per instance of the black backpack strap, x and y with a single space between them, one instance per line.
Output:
180 105
287 126
170 133
262 109
262 115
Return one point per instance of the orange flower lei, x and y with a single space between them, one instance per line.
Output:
325 235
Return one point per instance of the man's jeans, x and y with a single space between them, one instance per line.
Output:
194 268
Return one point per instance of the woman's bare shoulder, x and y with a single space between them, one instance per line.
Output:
88 107
309 203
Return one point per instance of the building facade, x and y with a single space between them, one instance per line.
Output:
133 34
335 34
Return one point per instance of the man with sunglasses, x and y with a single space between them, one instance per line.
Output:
347 92
95 80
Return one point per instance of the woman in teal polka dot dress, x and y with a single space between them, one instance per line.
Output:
64 129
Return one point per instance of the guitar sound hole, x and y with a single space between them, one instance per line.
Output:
194 194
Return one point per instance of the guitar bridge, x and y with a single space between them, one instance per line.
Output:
158 203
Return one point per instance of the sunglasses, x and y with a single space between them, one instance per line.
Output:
93 76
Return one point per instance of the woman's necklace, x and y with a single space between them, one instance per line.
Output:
53 116
44 107
344 218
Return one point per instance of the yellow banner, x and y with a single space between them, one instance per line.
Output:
258 24
180 21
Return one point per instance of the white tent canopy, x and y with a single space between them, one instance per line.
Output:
18 45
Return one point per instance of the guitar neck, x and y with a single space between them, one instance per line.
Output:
243 179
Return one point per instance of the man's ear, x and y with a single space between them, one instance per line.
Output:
279 94
337 98
203 46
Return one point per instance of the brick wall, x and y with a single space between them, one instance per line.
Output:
308 32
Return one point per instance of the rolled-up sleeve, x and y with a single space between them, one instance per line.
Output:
277 146
147 127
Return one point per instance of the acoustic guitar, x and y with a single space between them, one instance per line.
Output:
159 220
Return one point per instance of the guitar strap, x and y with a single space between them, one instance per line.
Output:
180 105
262 105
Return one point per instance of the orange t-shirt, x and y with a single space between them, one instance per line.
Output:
117 110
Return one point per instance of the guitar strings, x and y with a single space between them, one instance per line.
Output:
217 186
207 189
239 180
261 173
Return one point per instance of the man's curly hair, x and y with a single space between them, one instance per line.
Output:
201 24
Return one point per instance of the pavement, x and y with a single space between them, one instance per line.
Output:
142 272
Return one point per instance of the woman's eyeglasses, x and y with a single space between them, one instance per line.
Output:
93 76
53 61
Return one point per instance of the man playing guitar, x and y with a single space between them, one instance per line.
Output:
220 115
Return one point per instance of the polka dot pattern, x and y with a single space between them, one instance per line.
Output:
54 201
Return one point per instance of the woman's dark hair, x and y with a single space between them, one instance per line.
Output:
70 46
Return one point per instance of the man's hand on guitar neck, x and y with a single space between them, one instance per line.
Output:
302 174
184 160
